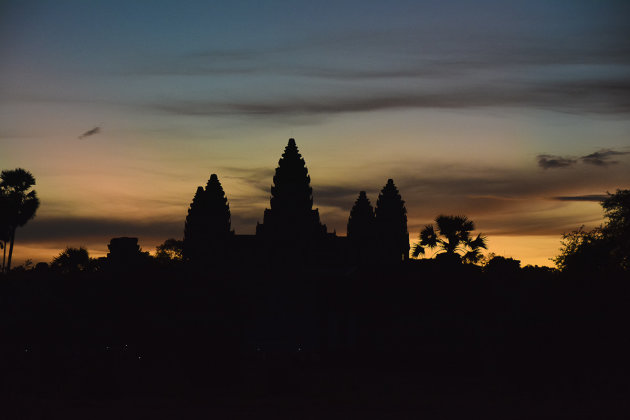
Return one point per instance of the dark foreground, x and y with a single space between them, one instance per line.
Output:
417 341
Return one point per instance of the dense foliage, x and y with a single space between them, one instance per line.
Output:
453 238
18 204
605 249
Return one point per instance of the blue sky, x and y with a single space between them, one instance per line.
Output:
488 108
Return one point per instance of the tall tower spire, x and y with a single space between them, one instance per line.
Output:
291 190
291 223
391 224
362 230
207 231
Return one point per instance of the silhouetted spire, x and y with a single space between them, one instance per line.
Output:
217 207
208 223
291 226
391 223
361 229
194 227
291 190
361 220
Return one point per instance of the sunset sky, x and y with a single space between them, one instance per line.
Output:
513 113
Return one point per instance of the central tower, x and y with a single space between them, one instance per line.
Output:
291 224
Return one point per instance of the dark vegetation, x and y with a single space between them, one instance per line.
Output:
296 331
423 335
18 204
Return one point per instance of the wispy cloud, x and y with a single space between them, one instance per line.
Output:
591 197
77 230
552 161
338 196
91 132
258 178
394 70
603 157
589 96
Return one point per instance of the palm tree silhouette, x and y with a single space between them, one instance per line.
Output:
72 260
453 236
4 228
18 203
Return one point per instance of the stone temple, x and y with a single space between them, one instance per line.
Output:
291 231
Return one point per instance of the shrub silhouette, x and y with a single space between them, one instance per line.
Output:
72 260
502 265
170 250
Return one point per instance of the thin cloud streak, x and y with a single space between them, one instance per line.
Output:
592 197
91 132
591 97
435 54
74 229
553 161
603 157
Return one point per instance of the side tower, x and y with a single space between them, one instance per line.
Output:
291 228
362 230
391 225
207 233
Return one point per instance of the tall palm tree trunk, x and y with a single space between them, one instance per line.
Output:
11 249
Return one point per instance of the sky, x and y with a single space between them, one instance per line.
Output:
514 114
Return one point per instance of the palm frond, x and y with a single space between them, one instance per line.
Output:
428 237
480 242
417 250
472 257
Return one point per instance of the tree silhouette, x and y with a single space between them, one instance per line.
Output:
361 228
72 260
501 265
453 236
605 248
171 249
208 224
617 229
391 224
4 227
19 202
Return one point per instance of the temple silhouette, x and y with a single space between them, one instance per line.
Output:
291 232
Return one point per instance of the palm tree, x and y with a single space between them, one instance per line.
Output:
4 229
453 236
19 203
72 260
